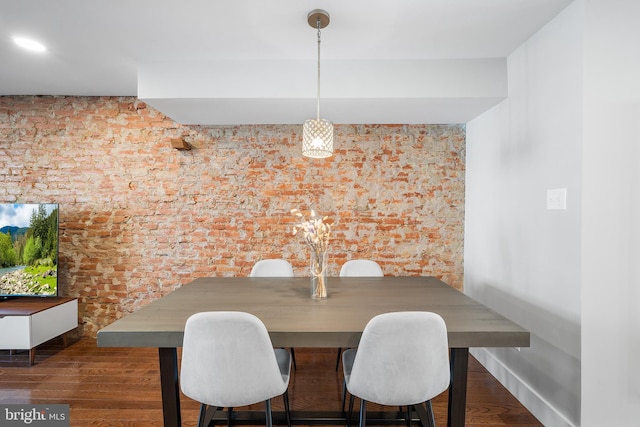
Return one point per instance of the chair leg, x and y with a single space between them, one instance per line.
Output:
408 415
431 418
229 416
363 412
350 410
287 410
344 395
203 412
338 358
293 358
206 414
267 410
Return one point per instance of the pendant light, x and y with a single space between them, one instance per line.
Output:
317 134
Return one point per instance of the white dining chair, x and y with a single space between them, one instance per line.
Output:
274 268
228 361
358 268
361 268
402 360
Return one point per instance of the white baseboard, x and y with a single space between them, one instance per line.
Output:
531 400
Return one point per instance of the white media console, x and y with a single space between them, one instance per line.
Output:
26 323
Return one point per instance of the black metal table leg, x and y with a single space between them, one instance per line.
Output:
169 385
458 388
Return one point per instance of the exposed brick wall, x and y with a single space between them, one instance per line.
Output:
139 218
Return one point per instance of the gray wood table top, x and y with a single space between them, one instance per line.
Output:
293 319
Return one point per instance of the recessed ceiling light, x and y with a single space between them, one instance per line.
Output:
29 44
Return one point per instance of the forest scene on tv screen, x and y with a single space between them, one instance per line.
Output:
28 250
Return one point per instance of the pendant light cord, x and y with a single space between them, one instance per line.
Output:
318 94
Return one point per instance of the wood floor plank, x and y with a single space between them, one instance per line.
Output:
120 387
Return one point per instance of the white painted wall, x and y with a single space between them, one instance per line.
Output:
572 119
521 259
611 215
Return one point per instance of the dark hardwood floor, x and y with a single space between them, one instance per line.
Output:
120 387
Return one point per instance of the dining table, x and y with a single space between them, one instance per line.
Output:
293 319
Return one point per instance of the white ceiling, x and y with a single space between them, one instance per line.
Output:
253 61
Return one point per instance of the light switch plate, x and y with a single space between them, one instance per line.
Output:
557 199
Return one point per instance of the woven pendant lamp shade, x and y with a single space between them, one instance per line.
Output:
317 138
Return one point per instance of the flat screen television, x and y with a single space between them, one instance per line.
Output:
28 250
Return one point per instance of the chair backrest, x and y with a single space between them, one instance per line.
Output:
228 360
361 268
402 359
272 268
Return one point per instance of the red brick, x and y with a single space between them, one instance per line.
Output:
138 218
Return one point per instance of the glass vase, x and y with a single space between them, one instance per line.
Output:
318 265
